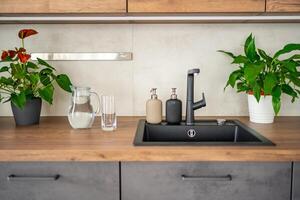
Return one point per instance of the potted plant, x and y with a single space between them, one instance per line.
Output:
25 83
265 78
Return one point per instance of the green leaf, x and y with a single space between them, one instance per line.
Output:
29 94
264 55
18 100
233 77
250 49
276 92
45 76
286 49
252 71
290 65
276 102
294 79
4 69
6 81
296 57
31 65
7 59
64 82
46 93
17 70
269 83
44 63
34 78
241 87
240 60
257 92
45 79
46 71
227 53
247 42
288 90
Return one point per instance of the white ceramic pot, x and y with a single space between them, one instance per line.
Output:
261 112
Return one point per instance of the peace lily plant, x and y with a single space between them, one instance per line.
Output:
24 82
265 78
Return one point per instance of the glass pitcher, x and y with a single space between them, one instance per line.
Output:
81 113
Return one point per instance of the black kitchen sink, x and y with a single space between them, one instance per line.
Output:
203 132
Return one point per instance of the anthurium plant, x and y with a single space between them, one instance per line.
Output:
260 74
21 79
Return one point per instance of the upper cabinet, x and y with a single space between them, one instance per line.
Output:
195 6
283 5
62 6
148 6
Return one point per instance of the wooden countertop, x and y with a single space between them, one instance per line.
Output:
54 140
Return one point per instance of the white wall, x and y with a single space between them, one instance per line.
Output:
162 54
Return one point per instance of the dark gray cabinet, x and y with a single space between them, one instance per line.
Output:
59 181
206 180
296 181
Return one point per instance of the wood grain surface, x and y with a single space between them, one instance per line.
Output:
283 6
55 140
196 6
62 6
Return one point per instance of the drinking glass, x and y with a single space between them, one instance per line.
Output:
108 117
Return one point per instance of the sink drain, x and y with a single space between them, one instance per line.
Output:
191 133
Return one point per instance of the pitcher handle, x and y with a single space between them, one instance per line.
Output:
99 102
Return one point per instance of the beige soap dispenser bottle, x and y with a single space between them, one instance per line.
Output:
154 108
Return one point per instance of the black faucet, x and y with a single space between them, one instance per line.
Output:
190 105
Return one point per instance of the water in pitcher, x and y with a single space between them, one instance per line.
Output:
81 119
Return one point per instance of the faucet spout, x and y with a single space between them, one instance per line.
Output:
190 104
200 104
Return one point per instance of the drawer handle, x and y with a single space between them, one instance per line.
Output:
206 178
14 177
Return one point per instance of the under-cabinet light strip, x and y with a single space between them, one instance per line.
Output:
121 56
205 18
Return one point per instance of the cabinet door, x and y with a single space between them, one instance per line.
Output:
59 181
196 6
296 182
63 6
283 5
205 181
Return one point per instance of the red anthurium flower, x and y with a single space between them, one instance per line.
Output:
12 53
23 57
26 33
21 50
4 55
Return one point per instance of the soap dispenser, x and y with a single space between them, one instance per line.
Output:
173 109
154 108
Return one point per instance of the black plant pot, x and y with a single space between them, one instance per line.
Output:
30 114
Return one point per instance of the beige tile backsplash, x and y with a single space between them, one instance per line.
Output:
162 54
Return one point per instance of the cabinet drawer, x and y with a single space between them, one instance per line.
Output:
59 181
283 5
196 6
205 181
